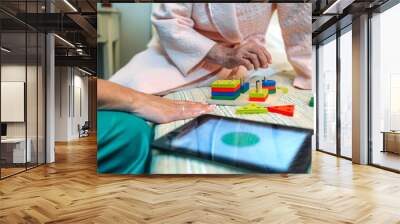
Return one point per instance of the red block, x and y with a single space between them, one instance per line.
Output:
287 110
269 87
225 89
258 99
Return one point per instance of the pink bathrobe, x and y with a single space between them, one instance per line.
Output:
187 32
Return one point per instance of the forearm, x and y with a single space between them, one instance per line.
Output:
217 54
116 97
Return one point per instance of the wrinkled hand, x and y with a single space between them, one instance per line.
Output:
251 55
162 110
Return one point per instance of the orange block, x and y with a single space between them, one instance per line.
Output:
258 99
287 110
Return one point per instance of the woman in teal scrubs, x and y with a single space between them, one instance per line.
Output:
125 132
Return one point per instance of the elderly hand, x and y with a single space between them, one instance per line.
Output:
162 110
251 54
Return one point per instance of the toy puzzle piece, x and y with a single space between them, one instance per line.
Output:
252 108
287 110
225 89
268 83
259 96
285 90
269 87
226 97
244 87
311 102
225 93
225 84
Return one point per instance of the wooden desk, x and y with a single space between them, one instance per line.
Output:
13 150
391 141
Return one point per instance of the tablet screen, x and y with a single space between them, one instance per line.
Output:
240 142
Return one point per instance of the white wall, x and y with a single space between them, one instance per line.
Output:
135 29
70 83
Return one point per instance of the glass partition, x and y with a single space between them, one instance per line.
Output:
13 105
22 77
346 93
327 96
385 89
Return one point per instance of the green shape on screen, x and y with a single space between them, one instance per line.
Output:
240 139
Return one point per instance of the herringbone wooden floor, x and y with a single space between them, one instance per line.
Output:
69 191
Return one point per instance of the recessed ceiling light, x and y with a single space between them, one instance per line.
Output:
64 40
5 50
84 71
70 5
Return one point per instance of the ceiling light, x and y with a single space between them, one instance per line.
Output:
5 50
84 71
70 5
65 41
337 7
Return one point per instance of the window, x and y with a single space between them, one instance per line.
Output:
385 89
346 93
327 96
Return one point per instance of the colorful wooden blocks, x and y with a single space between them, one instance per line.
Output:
270 85
225 89
258 94
252 108
244 87
225 83
287 110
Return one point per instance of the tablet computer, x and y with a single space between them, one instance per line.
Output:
263 147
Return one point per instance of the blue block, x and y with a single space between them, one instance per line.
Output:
268 83
236 93
244 87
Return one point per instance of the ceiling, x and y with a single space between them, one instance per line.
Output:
73 20
331 15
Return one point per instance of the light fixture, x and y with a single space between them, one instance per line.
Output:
5 50
337 7
84 71
70 5
65 41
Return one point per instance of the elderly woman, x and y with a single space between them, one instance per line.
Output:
196 44
200 42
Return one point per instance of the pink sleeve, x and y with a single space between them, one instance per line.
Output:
184 45
295 22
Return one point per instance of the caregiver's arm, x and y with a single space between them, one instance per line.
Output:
112 96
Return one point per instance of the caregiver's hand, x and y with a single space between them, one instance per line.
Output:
112 96
162 110
251 54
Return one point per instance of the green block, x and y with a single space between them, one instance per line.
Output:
225 83
252 108
225 97
272 91
261 94
285 90
311 102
